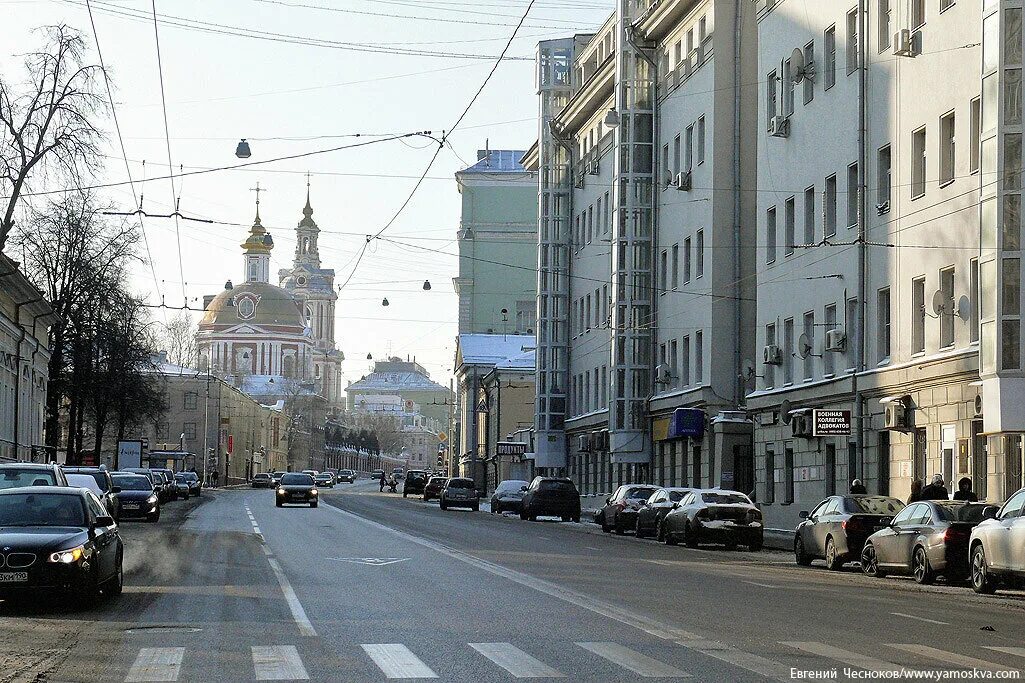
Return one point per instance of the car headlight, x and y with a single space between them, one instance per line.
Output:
281 492
314 492
68 556
152 499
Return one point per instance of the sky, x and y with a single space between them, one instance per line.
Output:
287 97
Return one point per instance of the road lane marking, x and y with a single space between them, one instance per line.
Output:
370 561
298 613
912 616
958 660
745 660
642 665
516 661
762 585
156 664
854 659
278 663
1016 651
397 661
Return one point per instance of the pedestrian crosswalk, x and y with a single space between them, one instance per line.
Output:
398 661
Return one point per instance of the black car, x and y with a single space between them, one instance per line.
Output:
346 476
416 481
325 480
297 488
181 485
433 487
160 485
168 475
553 497
107 497
17 474
508 496
836 529
717 516
262 480
195 485
655 509
138 498
459 492
619 513
56 538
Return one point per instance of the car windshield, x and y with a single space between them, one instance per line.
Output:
437 481
510 485
181 479
41 509
261 475
189 476
297 480
17 477
556 485
725 498
874 505
640 494
460 483
99 477
84 481
960 512
132 482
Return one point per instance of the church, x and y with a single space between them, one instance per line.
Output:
268 337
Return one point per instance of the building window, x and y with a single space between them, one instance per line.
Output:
788 227
1010 287
699 356
663 272
666 168
883 35
809 350
699 253
918 315
689 147
947 315
947 148
809 215
770 475
163 429
830 324
768 370
788 474
1010 344
685 362
189 429
701 138
676 155
686 261
976 134
590 224
788 351
770 98
829 58
946 4
974 295
788 89
675 276
918 163
852 41
917 14
190 400
853 192
608 209
829 208
884 180
674 363
883 329
809 83
770 235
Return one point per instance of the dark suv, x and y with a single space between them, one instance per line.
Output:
19 474
459 492
551 496
415 483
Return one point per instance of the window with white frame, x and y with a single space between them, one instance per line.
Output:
853 192
770 235
947 143
699 356
918 315
883 19
685 361
976 134
788 351
918 159
852 41
770 98
828 366
809 353
883 179
699 253
769 370
674 281
809 215
701 140
947 314
663 271
829 58
829 207
883 328
809 83
689 148
788 227
686 260
917 14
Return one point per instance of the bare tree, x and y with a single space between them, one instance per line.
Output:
178 338
47 125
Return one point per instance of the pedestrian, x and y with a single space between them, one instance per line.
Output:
382 482
936 490
916 491
858 487
964 491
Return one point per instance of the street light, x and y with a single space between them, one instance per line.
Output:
427 285
242 151
384 302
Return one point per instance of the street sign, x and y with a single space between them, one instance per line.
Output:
442 436
231 442
830 422
511 447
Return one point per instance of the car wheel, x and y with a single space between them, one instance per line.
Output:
982 580
279 503
154 518
403 494
920 568
523 515
755 546
115 585
443 506
668 537
618 527
638 532
576 518
660 533
833 559
566 518
800 556
870 562
731 545
689 537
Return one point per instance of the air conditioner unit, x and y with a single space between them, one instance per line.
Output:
592 168
584 443
836 340
682 181
904 43
772 355
896 416
779 126
800 426
663 374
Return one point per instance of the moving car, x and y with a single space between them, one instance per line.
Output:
137 497
195 485
433 487
262 480
105 489
85 481
276 478
398 473
17 474
159 483
459 492
325 479
717 516
416 481
346 476
312 473
553 497
182 486
997 546
508 496
168 475
620 510
655 509
377 475
836 529
297 488
926 539
58 538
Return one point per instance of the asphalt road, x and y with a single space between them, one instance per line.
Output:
370 586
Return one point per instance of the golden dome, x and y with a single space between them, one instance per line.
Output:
254 303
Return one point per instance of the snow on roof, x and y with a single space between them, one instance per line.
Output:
524 361
491 349
497 161
394 381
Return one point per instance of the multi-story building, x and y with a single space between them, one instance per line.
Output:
409 382
868 276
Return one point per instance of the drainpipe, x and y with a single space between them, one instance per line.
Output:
738 386
859 401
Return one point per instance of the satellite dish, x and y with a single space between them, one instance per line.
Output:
804 346
799 68
964 308
940 303
784 408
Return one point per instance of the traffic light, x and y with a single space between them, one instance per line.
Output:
441 461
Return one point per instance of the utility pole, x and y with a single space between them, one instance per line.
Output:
206 425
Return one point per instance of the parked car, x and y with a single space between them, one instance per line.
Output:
58 539
346 476
377 475
459 492
551 496
85 481
416 481
325 480
276 478
717 516
297 488
195 485
836 529
997 546
138 498
159 483
398 473
434 486
262 480
182 486
18 474
926 539
168 475
508 496
105 489
620 510
655 509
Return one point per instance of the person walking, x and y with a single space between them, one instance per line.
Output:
964 491
936 490
382 482
858 487
916 491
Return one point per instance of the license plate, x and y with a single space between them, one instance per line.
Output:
131 506
297 496
13 577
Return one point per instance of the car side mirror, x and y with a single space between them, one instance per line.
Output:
104 520
523 488
115 489
608 500
803 514
989 513
676 506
